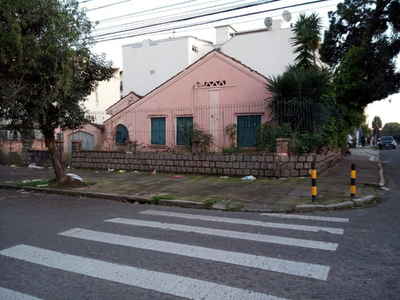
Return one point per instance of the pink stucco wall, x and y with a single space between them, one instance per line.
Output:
240 91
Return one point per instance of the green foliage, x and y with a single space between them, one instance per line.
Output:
307 40
36 183
362 44
210 202
231 132
268 134
193 133
233 149
376 123
392 129
12 158
47 68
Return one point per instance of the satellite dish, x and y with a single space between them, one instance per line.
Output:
286 15
268 22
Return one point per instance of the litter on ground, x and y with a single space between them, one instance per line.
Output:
34 166
248 178
74 176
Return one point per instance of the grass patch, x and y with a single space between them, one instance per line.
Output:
36 183
210 202
161 197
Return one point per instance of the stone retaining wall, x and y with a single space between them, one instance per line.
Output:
260 165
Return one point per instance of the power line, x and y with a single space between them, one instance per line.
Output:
166 19
254 4
125 33
105 6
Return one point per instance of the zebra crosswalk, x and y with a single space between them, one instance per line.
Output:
177 284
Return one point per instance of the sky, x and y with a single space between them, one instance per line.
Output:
121 22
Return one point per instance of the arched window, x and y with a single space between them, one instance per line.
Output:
121 135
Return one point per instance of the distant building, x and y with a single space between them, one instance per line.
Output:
149 63
106 93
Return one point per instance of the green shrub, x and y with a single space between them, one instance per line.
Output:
12 158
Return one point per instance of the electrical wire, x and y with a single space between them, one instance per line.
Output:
155 28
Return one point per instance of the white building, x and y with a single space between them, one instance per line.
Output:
268 50
106 94
148 64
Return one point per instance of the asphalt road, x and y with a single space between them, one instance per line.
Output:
54 247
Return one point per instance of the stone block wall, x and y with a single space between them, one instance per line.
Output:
260 165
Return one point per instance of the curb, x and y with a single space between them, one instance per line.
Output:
338 206
304 208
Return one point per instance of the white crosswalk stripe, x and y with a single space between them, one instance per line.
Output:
244 222
253 261
156 281
7 294
184 286
230 234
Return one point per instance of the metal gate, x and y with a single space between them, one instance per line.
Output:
86 138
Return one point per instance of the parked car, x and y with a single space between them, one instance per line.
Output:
387 142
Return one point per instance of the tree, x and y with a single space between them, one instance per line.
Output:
47 68
362 44
302 96
393 129
376 125
307 40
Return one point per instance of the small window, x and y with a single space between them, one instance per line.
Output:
195 49
152 72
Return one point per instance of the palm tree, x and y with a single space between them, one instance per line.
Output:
307 40
303 95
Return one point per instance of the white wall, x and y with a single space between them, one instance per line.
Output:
265 51
148 64
106 94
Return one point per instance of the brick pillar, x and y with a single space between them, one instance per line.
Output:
282 145
26 146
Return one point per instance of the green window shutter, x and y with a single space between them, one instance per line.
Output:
248 130
184 127
122 134
158 131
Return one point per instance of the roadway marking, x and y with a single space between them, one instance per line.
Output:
6 294
230 234
304 217
253 261
161 282
244 222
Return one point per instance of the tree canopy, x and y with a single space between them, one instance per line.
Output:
362 44
47 67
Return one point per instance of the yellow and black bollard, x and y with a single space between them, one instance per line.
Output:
353 180
313 182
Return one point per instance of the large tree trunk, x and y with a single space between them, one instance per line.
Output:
55 157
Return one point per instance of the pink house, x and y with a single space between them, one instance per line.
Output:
214 94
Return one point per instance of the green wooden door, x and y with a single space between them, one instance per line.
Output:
184 126
158 131
248 130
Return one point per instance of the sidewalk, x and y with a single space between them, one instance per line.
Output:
220 192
